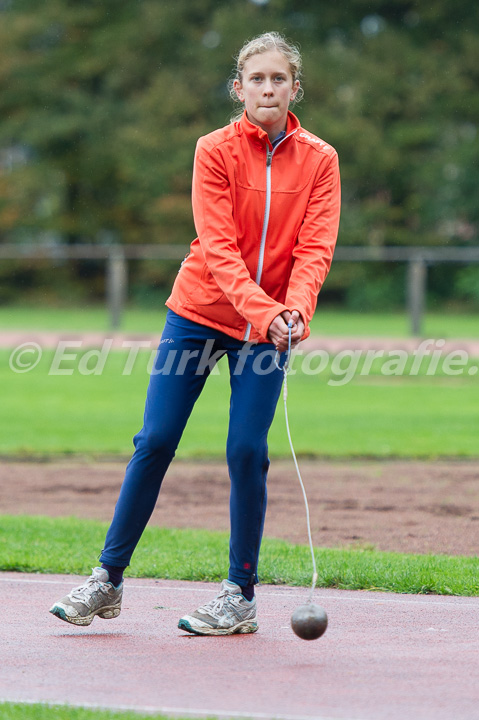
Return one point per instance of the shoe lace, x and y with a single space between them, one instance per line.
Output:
82 592
215 606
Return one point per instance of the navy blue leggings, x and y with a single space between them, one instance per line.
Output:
186 355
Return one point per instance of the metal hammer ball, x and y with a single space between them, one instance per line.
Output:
309 621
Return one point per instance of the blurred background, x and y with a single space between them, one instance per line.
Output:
101 105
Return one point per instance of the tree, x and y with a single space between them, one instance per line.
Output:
102 104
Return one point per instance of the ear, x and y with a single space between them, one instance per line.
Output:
294 91
237 87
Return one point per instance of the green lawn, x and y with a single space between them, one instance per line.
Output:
41 544
326 322
372 415
40 711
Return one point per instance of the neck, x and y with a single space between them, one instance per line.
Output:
272 131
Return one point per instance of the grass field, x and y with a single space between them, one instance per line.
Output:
41 544
367 415
372 415
326 322
38 711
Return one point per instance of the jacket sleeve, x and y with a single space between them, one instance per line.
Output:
213 216
313 252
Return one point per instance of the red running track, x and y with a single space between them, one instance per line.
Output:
383 657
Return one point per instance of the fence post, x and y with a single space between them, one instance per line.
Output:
117 280
416 289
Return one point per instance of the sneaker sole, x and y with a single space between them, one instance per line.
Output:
104 613
241 629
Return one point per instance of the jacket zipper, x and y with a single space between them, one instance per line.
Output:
267 207
259 271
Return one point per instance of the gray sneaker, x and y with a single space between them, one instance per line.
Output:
96 596
227 614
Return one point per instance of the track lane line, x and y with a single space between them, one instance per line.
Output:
385 597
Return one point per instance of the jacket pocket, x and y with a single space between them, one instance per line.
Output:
207 291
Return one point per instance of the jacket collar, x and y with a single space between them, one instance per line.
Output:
258 136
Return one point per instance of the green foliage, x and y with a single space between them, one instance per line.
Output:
102 104
467 284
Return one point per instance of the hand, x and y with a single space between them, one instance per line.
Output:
298 328
278 331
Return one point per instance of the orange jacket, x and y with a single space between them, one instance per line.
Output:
267 221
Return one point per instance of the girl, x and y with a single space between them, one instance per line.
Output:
266 201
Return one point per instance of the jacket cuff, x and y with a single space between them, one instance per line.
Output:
268 318
297 306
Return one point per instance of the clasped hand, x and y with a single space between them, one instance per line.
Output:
278 331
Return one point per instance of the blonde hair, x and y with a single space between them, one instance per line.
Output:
263 43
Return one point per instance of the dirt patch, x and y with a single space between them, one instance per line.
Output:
417 507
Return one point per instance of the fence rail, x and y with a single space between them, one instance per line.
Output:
117 257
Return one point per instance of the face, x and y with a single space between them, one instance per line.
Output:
266 89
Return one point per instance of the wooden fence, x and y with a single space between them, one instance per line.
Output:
117 256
